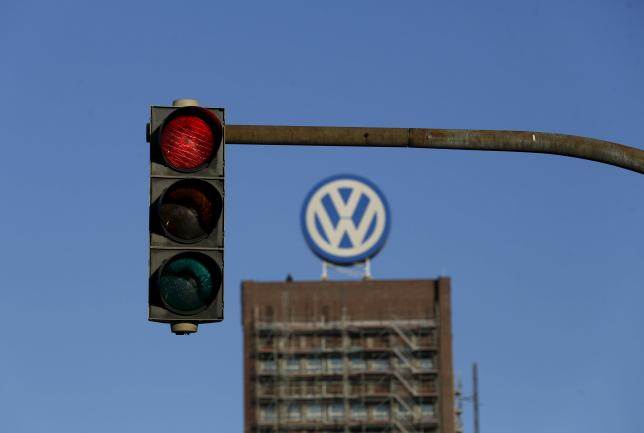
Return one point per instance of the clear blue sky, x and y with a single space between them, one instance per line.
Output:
546 253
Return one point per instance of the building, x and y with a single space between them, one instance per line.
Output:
348 356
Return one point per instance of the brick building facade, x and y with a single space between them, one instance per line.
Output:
348 356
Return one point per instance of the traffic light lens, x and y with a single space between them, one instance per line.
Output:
189 210
187 142
186 285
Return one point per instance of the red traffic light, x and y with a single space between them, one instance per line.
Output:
190 138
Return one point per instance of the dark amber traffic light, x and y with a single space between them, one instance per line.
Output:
188 210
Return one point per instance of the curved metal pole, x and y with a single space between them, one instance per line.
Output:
574 146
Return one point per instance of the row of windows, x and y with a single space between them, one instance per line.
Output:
336 365
332 388
325 313
335 412
336 341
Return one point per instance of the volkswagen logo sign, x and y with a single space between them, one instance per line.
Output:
345 219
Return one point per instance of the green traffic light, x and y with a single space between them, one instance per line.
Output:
186 285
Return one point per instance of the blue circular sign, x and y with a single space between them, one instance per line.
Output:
345 219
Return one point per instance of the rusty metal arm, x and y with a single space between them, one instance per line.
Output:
615 154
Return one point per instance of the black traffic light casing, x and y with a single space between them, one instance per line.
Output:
186 219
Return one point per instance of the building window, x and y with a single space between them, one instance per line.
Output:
356 342
312 388
380 412
281 342
334 388
333 342
403 412
425 339
358 388
357 364
313 412
426 386
426 410
292 365
266 342
267 365
294 388
334 364
292 342
380 341
379 365
267 388
380 387
267 413
294 412
313 365
336 411
358 411
305 341
426 363
316 342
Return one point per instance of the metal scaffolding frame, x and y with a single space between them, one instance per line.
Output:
398 380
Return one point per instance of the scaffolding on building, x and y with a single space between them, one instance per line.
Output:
370 376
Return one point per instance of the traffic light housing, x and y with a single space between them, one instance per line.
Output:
186 263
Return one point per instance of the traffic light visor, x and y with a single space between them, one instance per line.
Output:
189 138
188 283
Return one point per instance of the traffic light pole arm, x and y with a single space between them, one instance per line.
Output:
574 146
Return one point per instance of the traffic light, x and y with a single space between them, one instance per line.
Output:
186 215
